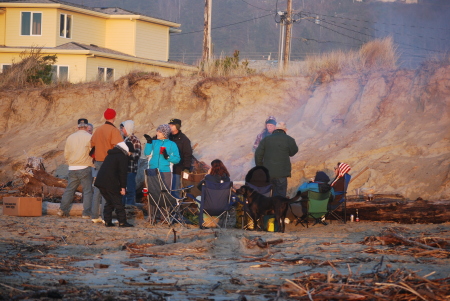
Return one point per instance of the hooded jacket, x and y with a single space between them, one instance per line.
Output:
113 173
157 160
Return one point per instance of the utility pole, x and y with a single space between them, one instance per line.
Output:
287 40
207 32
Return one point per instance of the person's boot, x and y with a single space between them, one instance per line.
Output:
110 224
125 224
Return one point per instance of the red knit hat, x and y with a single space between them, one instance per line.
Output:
109 114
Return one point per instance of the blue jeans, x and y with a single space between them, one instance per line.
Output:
279 187
176 184
97 199
130 197
77 177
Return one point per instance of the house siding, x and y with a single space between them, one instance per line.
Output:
152 41
2 28
85 29
122 68
121 35
13 36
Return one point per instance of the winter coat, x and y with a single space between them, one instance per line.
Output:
185 150
273 153
158 160
316 187
213 179
113 172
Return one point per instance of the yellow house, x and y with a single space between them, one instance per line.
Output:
90 43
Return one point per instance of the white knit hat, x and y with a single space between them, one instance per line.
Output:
123 146
129 127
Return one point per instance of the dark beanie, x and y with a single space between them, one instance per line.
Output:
321 177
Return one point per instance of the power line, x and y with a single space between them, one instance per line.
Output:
257 6
370 22
179 34
362 33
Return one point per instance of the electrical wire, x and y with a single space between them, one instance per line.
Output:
256 6
183 33
362 33
370 22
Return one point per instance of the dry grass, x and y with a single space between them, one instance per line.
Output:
33 69
225 66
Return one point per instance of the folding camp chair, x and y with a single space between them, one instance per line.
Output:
246 220
317 208
215 203
160 200
340 202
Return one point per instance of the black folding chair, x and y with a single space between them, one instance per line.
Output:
160 200
215 203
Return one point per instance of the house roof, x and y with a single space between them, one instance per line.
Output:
111 11
79 48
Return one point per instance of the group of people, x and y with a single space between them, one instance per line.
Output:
109 157
108 160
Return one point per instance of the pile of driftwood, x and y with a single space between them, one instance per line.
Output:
381 285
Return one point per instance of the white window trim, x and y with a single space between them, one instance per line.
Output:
65 24
31 24
57 72
105 69
1 70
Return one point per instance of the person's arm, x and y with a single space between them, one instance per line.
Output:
123 169
137 150
67 151
303 187
174 154
293 148
257 141
116 137
187 154
259 153
148 148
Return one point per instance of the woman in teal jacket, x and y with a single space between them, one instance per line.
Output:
163 151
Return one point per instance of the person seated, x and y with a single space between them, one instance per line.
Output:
218 173
338 183
318 184
258 176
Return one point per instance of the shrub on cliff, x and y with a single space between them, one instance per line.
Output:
33 69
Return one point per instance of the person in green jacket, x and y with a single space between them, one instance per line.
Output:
274 153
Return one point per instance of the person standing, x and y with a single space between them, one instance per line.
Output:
128 132
76 153
269 127
163 152
103 139
274 153
184 148
112 182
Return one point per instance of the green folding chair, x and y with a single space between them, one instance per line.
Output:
317 208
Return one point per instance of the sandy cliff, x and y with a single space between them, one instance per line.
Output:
396 123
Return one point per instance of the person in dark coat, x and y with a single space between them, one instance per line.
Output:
274 153
112 182
184 147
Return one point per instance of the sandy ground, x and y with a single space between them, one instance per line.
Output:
74 259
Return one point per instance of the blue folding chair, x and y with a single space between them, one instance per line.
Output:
215 202
340 202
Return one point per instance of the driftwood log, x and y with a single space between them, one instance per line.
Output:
49 208
395 208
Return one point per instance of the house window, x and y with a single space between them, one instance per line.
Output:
65 26
31 24
5 67
60 73
105 74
